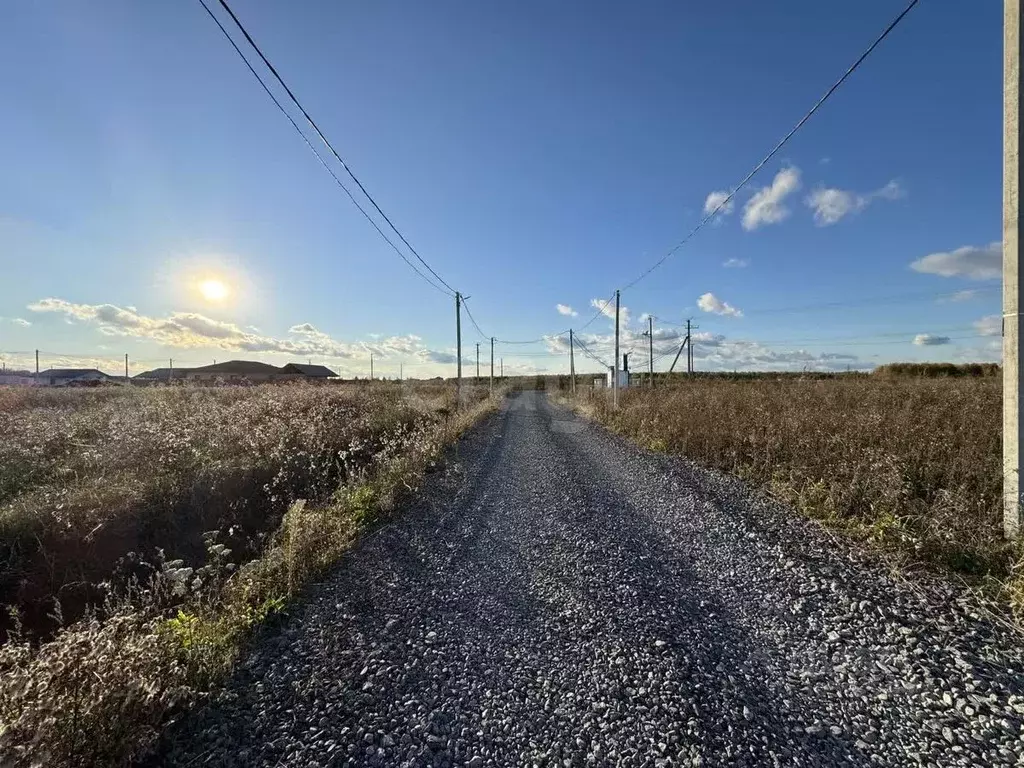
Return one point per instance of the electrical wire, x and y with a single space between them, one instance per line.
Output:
785 139
600 311
323 138
465 305
583 347
874 300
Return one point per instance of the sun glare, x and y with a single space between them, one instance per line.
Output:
213 290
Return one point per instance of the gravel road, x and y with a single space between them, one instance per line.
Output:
558 597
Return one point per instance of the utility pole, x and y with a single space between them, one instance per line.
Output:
572 362
170 370
492 366
676 360
371 366
401 372
1013 519
458 348
615 368
126 379
689 349
650 350
503 369
477 363
37 364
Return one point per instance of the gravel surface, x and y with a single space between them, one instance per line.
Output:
559 597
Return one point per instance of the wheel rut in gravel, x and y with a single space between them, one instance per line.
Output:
559 597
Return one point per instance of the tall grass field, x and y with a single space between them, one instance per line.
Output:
145 533
911 464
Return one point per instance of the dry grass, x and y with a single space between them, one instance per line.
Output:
912 465
319 463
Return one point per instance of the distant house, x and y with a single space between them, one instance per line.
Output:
161 374
238 372
17 379
235 370
72 377
309 371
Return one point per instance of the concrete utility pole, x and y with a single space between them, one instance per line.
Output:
615 368
458 347
650 349
492 367
477 363
1013 520
689 349
572 362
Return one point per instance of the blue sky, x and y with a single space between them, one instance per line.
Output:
534 153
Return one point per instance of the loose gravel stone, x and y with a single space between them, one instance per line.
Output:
557 596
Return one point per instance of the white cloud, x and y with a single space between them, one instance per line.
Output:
930 340
990 325
891 191
712 351
189 330
19 321
977 262
958 297
711 303
830 205
766 206
736 263
716 199
607 308
565 309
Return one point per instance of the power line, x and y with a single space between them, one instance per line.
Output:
830 305
600 311
326 143
813 342
892 299
465 305
583 347
728 198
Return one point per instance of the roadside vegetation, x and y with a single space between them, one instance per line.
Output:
145 534
910 463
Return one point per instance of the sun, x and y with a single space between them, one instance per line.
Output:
214 290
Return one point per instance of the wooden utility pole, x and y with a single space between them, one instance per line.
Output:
503 369
572 362
37 364
1013 520
126 379
170 370
615 367
477 363
650 349
401 371
492 367
371 366
458 347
